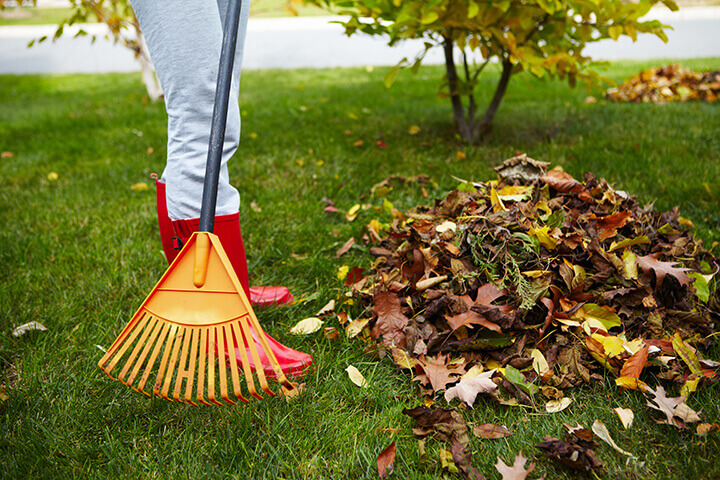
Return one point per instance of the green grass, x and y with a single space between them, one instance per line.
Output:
80 253
49 16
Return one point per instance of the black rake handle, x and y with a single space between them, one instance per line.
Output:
219 118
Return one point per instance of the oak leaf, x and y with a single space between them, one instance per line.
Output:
660 268
517 470
676 411
390 320
437 373
468 389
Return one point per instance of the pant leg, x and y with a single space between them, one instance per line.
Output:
184 40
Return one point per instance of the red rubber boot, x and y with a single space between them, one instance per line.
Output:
174 234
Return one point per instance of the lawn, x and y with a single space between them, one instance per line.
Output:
81 251
47 16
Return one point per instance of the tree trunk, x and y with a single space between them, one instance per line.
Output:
463 126
483 125
149 77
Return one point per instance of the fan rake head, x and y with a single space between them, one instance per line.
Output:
193 331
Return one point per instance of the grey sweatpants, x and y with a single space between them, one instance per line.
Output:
184 40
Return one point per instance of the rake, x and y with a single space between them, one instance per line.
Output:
197 329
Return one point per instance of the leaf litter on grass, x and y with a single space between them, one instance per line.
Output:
544 282
669 83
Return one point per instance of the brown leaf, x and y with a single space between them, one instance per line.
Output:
386 461
462 460
676 411
569 454
491 431
634 365
562 182
436 372
390 319
486 294
517 470
651 262
609 224
345 248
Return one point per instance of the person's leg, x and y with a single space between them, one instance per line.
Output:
184 40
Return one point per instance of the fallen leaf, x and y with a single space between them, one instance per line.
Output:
307 326
345 248
626 416
468 389
676 411
327 309
52 176
651 262
634 365
572 453
23 329
413 130
352 213
390 319
491 431
356 377
517 470
356 326
7 155
554 406
255 207
705 428
602 432
436 372
386 461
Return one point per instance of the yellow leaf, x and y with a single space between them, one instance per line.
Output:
613 346
342 272
496 202
137 187
356 326
52 176
687 355
352 213
543 236
630 271
632 383
307 326
414 130
459 155
356 377
628 242
689 386
536 273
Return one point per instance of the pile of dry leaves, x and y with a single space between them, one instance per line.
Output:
670 83
534 283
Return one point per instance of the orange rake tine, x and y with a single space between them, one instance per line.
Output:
239 335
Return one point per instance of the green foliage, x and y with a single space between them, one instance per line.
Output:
543 37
